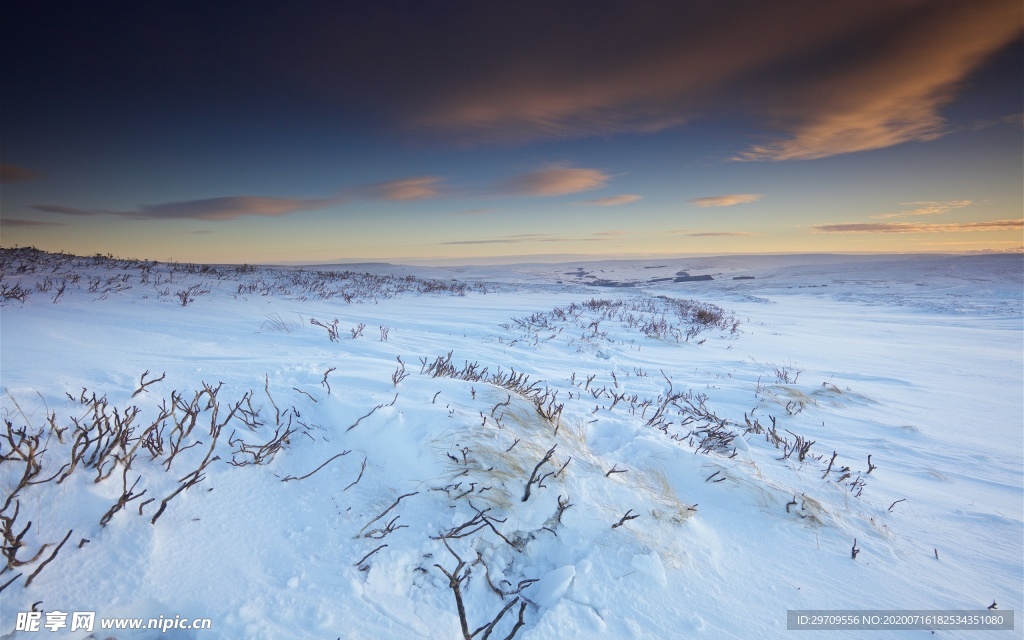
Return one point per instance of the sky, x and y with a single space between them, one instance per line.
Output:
266 132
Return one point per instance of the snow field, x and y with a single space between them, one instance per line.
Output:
726 537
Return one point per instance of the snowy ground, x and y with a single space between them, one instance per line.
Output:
687 430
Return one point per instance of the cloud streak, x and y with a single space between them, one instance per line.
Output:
815 78
895 95
821 79
597 236
22 223
908 227
234 207
556 180
71 211
926 209
727 200
215 209
719 234
13 174
513 239
405 189
614 201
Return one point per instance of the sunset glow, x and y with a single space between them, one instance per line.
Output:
463 132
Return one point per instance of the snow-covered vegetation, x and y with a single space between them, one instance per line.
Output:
395 452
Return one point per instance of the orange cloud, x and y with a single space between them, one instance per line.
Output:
822 78
407 189
10 174
927 209
614 201
554 181
230 208
894 96
727 201
719 234
907 227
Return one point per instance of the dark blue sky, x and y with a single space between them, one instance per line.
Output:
265 131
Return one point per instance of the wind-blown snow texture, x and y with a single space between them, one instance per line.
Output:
658 416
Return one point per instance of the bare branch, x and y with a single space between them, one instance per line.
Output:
625 518
385 512
334 457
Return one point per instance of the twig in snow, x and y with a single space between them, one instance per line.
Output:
625 518
358 478
379 406
363 559
334 457
533 476
143 384
384 513
830 463
324 383
48 560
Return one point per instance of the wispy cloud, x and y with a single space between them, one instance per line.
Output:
19 222
894 96
71 211
10 174
727 201
820 78
230 208
908 227
556 180
512 239
926 209
614 201
719 234
234 207
823 78
219 209
597 236
405 189
1014 119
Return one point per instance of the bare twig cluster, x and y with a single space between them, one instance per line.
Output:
106 275
660 317
20 447
105 439
400 373
357 330
544 399
456 579
188 295
332 328
800 447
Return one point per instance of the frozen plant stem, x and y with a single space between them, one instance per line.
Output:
627 517
533 476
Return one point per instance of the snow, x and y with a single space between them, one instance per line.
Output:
917 361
